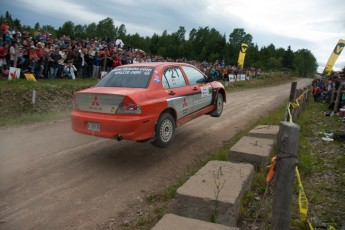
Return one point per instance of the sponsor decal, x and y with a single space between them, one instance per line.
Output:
156 78
95 104
132 71
206 91
95 101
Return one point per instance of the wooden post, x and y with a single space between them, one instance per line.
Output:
285 174
292 98
333 92
337 100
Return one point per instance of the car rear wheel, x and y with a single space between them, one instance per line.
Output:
165 130
219 104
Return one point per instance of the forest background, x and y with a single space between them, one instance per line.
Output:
203 44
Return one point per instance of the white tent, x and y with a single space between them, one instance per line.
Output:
119 43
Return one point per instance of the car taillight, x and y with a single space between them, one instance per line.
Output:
128 108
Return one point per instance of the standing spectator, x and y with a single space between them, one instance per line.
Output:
54 58
33 58
70 55
96 64
61 62
83 64
12 53
89 64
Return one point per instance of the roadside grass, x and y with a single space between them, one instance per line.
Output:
265 80
321 165
53 99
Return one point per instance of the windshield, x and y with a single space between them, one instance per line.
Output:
128 77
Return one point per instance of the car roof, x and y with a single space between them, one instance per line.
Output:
155 64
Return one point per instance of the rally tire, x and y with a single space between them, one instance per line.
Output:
218 106
165 130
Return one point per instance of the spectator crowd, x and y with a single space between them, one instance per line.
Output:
49 58
331 91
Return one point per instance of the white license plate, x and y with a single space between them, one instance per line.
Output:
94 126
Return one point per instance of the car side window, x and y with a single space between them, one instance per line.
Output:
173 78
193 75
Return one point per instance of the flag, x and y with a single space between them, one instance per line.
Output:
332 59
14 73
242 54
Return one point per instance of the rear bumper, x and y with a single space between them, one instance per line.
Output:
129 127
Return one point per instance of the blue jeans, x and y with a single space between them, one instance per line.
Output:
52 72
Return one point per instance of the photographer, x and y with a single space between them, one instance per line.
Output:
69 70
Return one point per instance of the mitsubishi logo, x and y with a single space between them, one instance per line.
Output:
95 101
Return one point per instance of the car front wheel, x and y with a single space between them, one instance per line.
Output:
165 130
219 104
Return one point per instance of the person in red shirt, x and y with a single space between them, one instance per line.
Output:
3 53
317 92
5 28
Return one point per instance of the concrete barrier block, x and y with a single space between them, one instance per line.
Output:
265 131
252 150
174 222
214 193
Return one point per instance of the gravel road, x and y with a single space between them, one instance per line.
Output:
54 178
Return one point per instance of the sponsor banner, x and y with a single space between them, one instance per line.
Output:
242 55
240 77
334 56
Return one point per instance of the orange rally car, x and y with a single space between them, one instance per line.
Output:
146 102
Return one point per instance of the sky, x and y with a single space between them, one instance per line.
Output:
316 25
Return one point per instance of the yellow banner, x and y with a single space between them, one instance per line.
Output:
332 59
242 55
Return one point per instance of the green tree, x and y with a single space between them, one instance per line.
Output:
120 32
106 28
37 26
239 36
236 38
288 59
91 30
66 29
305 63
80 31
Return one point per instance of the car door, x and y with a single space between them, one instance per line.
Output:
180 95
202 91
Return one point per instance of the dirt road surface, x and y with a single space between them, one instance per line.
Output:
54 178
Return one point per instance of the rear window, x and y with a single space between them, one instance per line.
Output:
128 77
